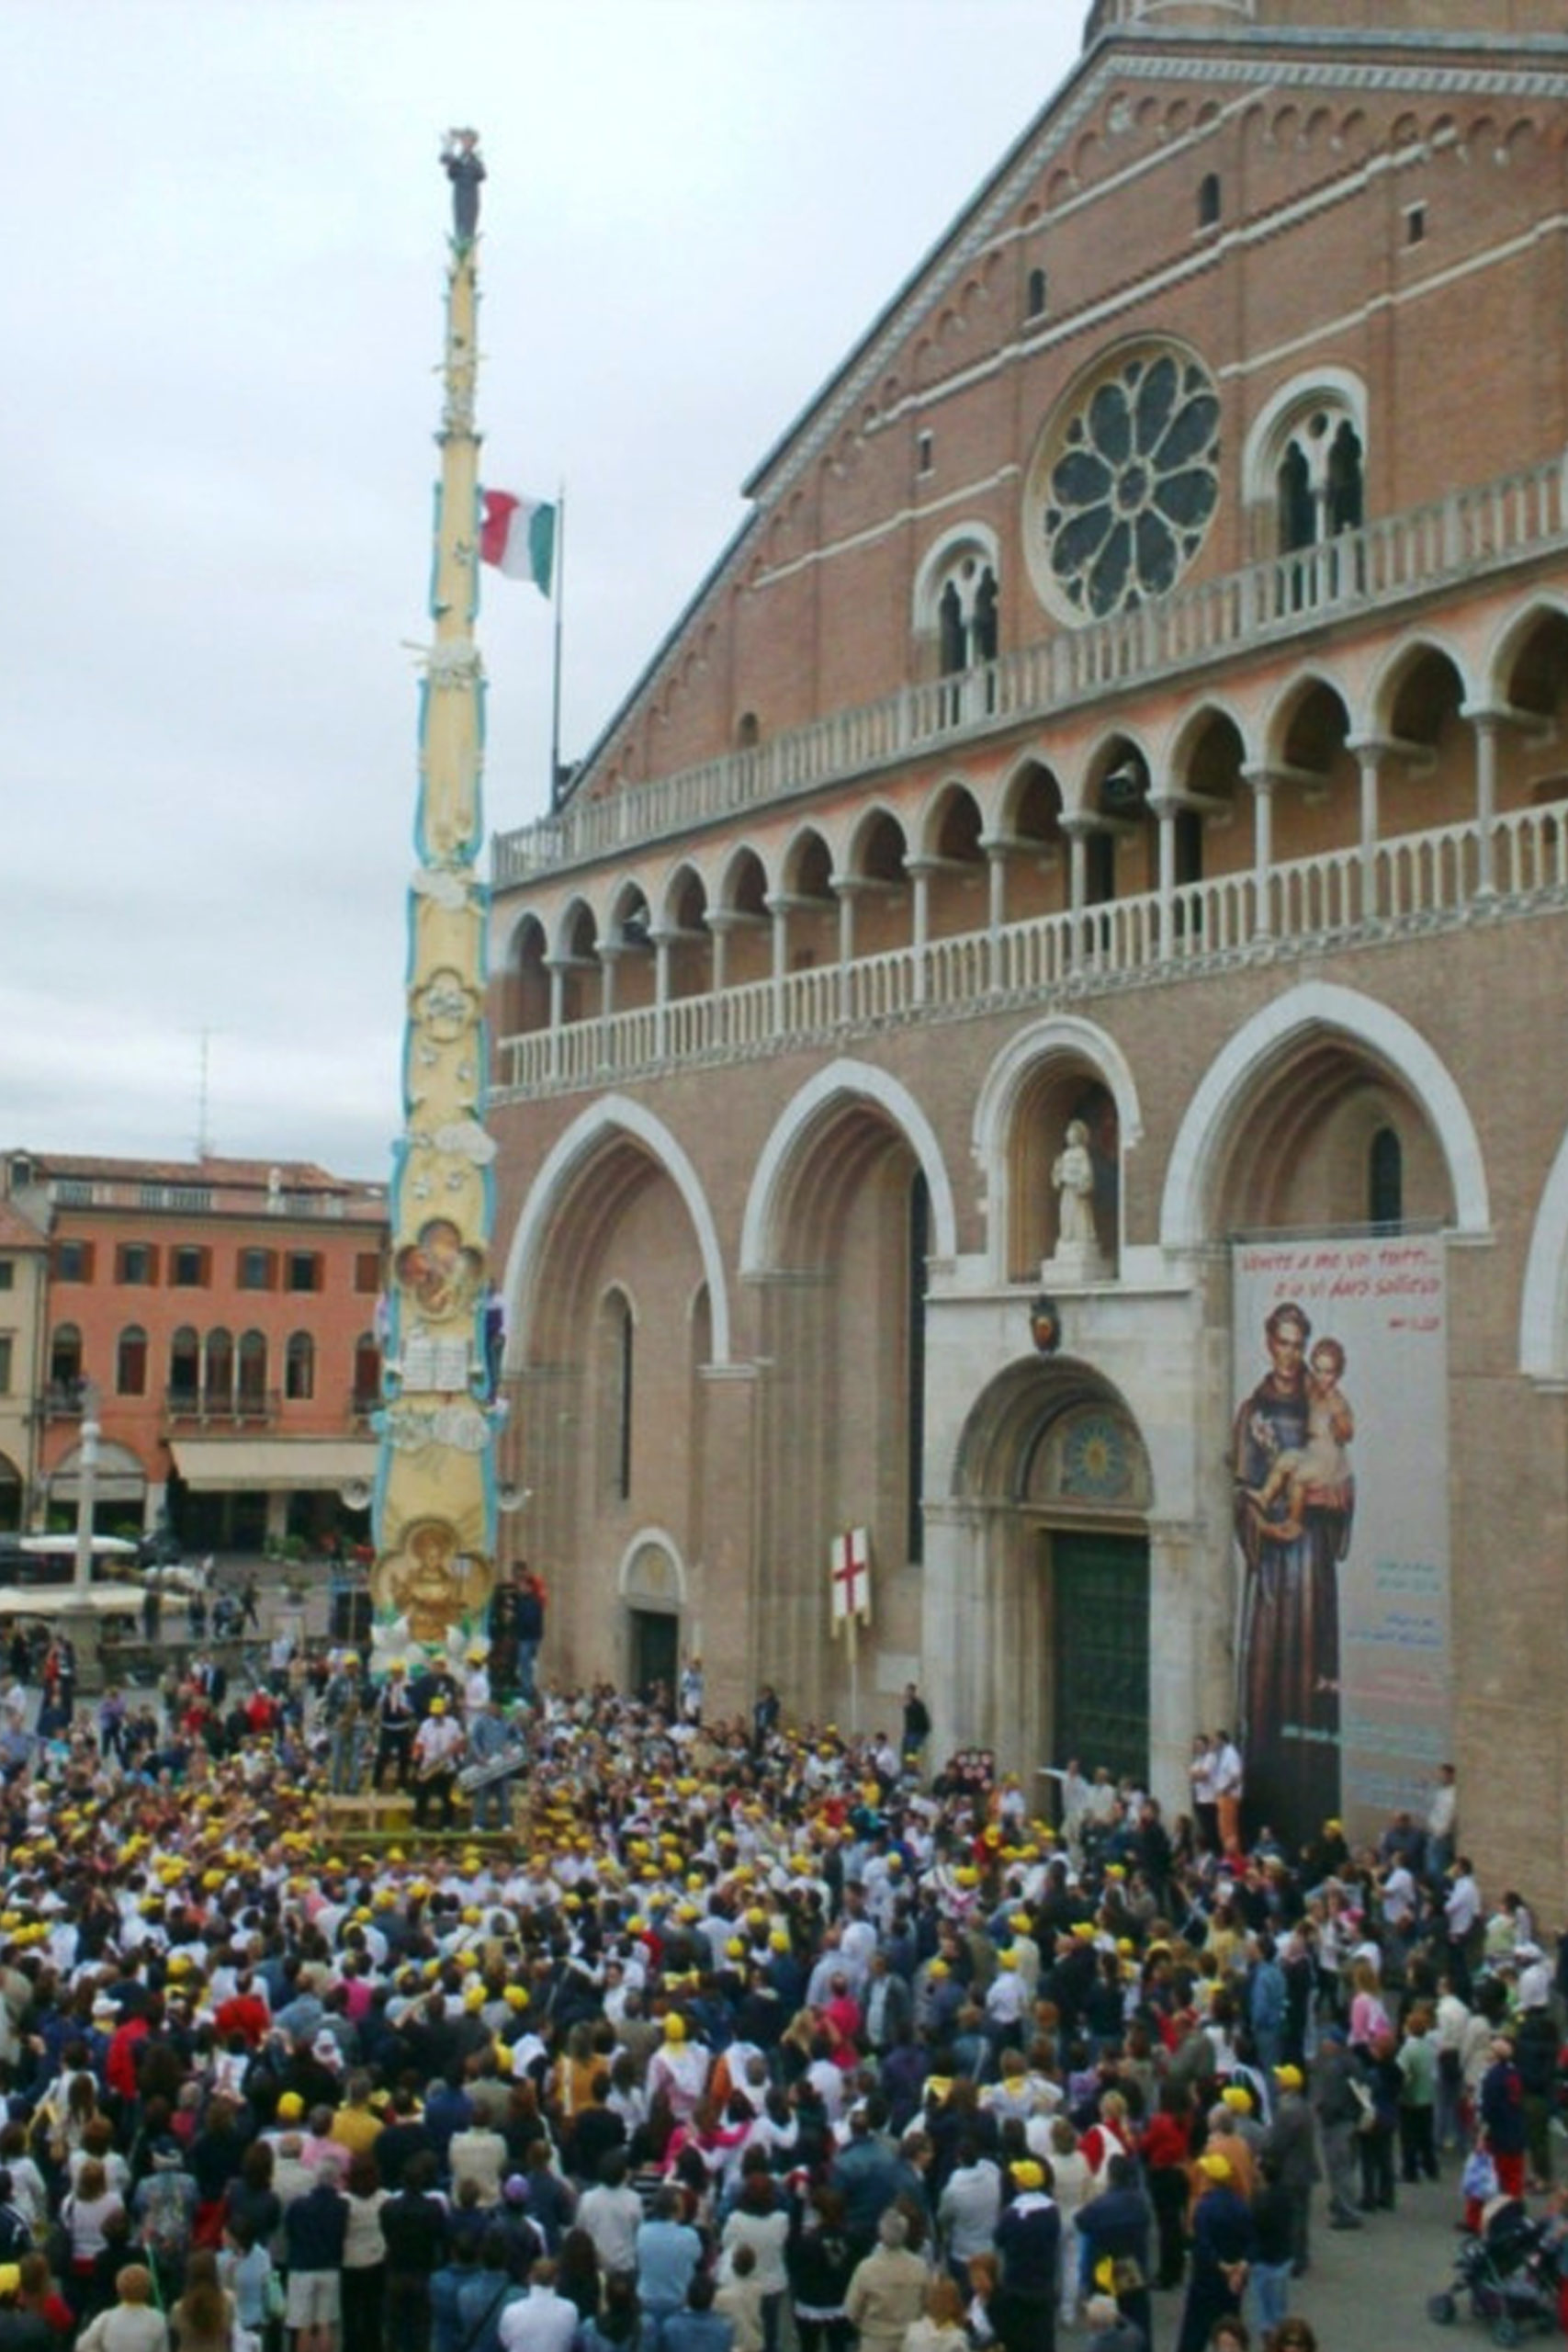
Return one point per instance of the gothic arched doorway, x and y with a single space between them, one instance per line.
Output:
1053 1484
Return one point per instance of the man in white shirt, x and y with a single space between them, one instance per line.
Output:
610 2213
1227 1792
543 2321
437 1745
1461 1912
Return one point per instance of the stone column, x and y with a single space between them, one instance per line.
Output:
720 928
557 967
1487 726
846 886
609 957
1371 754
1262 782
778 911
996 907
1077 829
919 870
662 943
1165 806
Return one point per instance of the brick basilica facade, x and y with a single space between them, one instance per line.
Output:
1130 723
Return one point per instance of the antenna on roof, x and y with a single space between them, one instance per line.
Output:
203 1139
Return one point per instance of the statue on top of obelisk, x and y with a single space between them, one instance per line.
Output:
465 169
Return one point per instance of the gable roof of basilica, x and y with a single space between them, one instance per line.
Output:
1493 62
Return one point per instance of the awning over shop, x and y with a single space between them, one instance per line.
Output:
269 1465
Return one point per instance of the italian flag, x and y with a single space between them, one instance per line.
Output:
518 535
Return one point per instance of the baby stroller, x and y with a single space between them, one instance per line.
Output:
1508 2273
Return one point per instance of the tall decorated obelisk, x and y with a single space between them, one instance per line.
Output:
434 1511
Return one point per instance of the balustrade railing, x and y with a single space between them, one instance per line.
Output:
1409 879
1470 533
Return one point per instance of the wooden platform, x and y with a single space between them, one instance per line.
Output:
373 1821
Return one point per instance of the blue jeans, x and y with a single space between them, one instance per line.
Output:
1271 2286
527 1655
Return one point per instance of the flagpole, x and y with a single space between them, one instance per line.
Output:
560 604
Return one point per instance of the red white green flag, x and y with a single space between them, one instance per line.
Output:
518 535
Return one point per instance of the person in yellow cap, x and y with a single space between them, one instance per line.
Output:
437 1747
1028 2240
1222 2248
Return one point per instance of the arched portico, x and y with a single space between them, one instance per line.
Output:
614 1118
1205 1140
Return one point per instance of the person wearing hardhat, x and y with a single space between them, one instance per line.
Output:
437 1750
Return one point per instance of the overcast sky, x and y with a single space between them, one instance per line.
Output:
222 311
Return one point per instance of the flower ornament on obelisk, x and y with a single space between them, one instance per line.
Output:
435 1487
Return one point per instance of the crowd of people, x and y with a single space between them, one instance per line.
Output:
743 2026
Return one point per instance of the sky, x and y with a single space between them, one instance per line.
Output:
222 326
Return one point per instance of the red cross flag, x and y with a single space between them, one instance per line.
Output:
849 1569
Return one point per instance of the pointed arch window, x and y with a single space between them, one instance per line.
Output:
616 1392
1320 479
967 612
1385 1182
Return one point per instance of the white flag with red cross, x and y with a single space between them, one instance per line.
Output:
849 1569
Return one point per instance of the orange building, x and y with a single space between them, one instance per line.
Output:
223 1311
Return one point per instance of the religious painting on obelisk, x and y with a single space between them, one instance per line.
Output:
1340 1511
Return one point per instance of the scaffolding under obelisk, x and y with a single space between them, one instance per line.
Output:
435 1504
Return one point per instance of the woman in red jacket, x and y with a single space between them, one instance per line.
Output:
1165 2148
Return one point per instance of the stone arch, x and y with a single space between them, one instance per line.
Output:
1543 1303
743 886
684 919
1418 703
871 838
1526 670
1120 846
842 1084
740 917
973 539
1028 834
999 1436
615 1120
1005 1091
1395 672
1259 1051
849 1211
935 817
525 981
807 860
1186 738
949 836
577 929
1285 712
1340 392
638 1576
1510 639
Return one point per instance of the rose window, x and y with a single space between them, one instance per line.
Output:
1125 486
